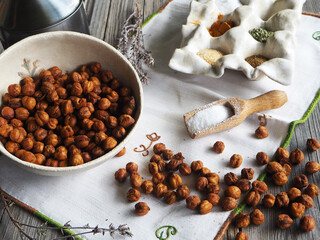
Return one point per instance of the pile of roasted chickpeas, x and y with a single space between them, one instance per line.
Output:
61 120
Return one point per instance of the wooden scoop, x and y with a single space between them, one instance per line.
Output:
240 109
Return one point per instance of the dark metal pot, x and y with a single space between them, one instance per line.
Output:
22 18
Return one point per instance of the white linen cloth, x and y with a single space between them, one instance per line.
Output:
93 196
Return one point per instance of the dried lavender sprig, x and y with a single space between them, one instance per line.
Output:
122 229
131 44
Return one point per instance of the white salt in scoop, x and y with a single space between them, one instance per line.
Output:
228 113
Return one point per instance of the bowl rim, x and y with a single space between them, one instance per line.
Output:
108 155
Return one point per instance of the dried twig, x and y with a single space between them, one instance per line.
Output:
16 223
123 229
2 213
131 43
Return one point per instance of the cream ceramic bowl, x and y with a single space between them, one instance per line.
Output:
67 50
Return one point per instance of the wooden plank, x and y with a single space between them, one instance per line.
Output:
99 18
120 10
268 229
89 5
312 6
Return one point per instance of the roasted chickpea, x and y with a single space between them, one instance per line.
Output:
193 202
29 102
27 143
61 154
131 167
38 147
14 90
28 89
21 113
7 112
12 147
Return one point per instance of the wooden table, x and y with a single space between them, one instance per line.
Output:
106 19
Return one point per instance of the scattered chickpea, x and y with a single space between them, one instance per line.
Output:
156 158
213 178
307 223
241 236
230 178
218 147
147 187
232 191
253 198
286 168
257 217
293 193
201 183
280 178
313 144
282 200
162 165
175 181
247 173
261 132
228 203
312 167
158 178
173 165
204 171
193 202
141 208
268 200
262 158
159 190
135 180
131 167
274 167
212 188
284 221
170 197
296 156
184 169
205 207
235 160
196 166
167 154
297 209
306 200
300 181
158 148
312 190
213 198
183 191
120 175
121 153
153 168
242 220
282 154
243 184
259 186
133 195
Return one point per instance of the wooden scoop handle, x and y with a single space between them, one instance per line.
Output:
270 100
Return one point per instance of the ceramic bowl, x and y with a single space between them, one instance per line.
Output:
68 51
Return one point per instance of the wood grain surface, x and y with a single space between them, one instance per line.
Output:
106 19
